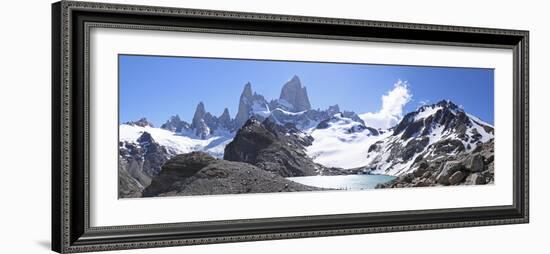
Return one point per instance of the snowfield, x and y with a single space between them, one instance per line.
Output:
177 143
336 146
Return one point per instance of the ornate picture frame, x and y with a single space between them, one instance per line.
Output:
71 196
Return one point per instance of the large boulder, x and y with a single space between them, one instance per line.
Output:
474 163
176 169
449 168
421 170
456 178
475 179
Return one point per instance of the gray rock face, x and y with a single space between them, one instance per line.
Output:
296 95
274 148
225 120
200 174
128 185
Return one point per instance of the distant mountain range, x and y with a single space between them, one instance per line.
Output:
286 137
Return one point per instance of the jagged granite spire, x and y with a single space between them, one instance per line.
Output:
225 115
247 103
295 94
199 115
175 124
225 119
247 91
199 123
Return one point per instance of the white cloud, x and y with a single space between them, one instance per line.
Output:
392 107
423 102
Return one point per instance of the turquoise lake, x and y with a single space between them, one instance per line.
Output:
345 182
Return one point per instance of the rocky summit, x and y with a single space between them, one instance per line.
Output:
274 148
142 122
175 124
294 96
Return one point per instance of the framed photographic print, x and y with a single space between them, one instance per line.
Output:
181 126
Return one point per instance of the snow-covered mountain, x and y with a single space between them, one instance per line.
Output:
429 133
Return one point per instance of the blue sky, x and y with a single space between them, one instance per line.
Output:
158 87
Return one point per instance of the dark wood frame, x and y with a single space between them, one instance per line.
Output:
71 22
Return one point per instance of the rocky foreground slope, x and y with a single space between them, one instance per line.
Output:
198 173
472 168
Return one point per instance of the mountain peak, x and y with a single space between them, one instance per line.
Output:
295 94
247 91
175 118
225 114
225 119
445 114
175 124
447 104
142 122
200 111
145 138
198 117
249 102
200 106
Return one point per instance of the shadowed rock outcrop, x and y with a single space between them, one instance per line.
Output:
274 148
